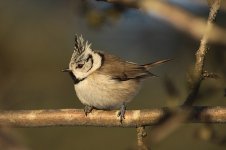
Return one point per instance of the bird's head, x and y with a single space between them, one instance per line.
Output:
84 60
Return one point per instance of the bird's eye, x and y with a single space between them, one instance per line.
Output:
80 65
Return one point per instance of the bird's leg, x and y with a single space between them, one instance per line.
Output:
88 109
122 112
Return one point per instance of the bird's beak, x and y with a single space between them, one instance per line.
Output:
66 70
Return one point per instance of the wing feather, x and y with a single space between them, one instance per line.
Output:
122 70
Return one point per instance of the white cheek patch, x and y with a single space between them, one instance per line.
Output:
88 68
96 61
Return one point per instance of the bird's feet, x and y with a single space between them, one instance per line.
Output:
122 112
88 109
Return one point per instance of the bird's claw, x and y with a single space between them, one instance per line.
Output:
122 112
87 109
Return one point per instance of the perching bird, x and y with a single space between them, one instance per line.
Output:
105 81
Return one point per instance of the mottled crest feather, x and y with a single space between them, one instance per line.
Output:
81 45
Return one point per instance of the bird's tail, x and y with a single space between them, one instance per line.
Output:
153 64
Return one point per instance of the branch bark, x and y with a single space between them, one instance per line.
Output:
176 16
197 75
140 138
175 120
100 118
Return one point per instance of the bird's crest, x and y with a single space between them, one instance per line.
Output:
80 45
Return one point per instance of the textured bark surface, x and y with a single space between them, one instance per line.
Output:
76 117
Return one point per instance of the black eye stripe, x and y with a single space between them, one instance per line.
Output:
80 65
90 57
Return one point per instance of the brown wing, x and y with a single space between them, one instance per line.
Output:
122 70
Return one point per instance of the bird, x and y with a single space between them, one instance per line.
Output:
105 81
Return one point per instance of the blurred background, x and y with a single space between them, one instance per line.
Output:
36 43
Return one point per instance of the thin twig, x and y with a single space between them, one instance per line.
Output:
197 75
100 118
210 75
175 120
140 138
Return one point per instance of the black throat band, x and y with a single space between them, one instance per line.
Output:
75 80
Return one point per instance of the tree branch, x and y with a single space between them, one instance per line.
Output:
176 16
100 118
197 75
174 121
140 138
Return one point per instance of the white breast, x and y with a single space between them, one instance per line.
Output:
102 92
